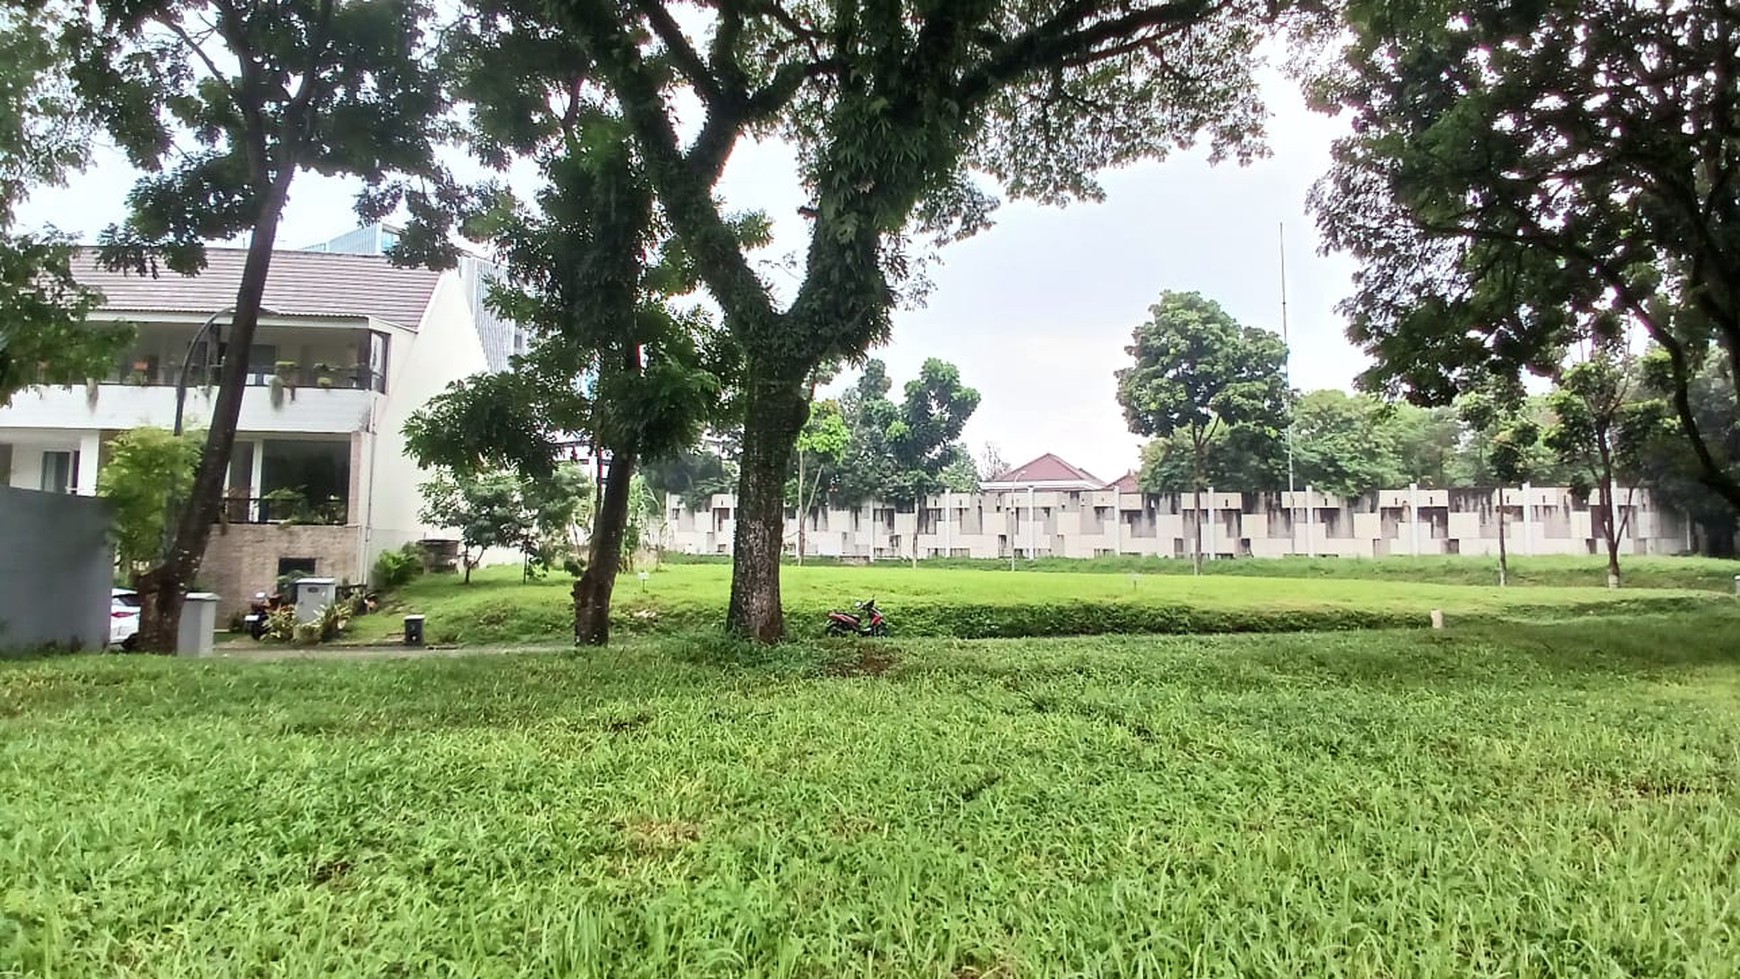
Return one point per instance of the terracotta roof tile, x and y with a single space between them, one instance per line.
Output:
300 284
1048 468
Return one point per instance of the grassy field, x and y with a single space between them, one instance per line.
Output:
1519 801
928 601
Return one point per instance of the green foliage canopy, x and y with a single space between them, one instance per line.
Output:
1199 375
1523 177
147 468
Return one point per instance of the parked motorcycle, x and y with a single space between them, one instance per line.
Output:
867 622
259 609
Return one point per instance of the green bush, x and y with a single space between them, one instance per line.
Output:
396 569
281 624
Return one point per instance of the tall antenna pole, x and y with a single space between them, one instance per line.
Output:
1287 367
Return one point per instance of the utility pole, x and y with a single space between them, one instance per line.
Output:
1287 368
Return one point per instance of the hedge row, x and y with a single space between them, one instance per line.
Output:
550 618
1088 618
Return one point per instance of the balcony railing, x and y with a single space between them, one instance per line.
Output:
285 507
340 378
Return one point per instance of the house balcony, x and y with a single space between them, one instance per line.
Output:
268 406
301 379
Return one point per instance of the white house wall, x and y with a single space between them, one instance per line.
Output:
446 349
1080 524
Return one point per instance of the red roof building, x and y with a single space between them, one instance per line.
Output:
1047 472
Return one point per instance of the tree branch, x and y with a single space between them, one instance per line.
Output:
199 52
1063 38
683 54
686 196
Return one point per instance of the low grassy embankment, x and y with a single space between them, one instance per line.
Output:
1525 800
973 604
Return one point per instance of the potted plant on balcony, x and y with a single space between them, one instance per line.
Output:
283 379
286 506
324 376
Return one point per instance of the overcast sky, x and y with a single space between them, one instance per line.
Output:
1036 311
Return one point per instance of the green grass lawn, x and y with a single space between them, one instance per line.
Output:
1534 799
969 603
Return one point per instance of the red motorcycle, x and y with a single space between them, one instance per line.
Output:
868 621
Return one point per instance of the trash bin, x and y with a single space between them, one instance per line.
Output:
413 630
313 595
198 624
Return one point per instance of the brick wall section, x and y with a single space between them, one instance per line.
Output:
245 560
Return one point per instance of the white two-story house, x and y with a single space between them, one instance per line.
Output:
348 348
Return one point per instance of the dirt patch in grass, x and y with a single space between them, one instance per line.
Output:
330 872
660 835
865 661
628 724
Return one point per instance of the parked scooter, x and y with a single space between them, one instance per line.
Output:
868 621
259 609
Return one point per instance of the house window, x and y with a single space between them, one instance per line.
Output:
60 472
296 567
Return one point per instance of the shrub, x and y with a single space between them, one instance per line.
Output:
281 624
396 569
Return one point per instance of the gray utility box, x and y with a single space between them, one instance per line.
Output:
198 625
313 595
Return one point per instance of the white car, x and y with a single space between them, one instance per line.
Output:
123 618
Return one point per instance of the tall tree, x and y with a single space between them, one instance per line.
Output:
925 438
1523 176
44 338
223 103
898 450
591 270
893 107
1242 459
822 444
693 475
1589 406
1496 412
1654 442
1199 374
1345 445
1429 445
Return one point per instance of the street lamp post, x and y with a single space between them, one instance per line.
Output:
209 325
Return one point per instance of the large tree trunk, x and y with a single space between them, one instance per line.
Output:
776 412
604 554
163 588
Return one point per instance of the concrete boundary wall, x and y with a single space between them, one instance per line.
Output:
57 567
1087 523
